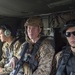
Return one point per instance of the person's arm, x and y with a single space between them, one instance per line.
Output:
16 57
8 67
12 62
46 57
3 55
17 48
56 63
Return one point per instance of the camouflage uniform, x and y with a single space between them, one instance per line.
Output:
45 56
45 53
58 60
55 63
8 54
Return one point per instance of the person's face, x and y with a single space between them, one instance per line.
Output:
2 36
33 31
71 37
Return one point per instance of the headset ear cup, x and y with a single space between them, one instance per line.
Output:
7 33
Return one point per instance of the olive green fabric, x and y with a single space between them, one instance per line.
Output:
34 21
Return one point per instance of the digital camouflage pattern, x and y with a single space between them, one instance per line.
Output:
45 56
8 54
46 53
55 63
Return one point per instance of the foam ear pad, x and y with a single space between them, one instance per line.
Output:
7 33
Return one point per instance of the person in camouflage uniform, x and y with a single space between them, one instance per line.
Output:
45 53
8 51
64 62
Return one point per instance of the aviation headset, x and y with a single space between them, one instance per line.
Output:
7 30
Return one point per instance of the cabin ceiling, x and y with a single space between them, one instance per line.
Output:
25 8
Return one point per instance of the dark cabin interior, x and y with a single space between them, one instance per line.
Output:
15 13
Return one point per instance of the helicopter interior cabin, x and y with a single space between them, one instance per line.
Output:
54 14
